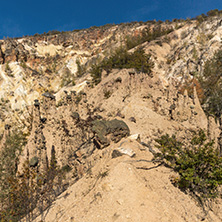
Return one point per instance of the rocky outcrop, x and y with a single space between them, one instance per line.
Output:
48 62
114 129
127 188
4 136
72 139
35 150
75 122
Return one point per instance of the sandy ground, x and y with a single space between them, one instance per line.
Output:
126 189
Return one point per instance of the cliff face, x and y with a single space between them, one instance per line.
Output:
138 100
72 131
32 65
41 90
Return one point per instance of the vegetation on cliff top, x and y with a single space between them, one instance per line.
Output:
200 18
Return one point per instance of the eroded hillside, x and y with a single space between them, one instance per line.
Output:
102 134
33 65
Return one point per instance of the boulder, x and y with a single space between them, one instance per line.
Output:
75 116
116 129
123 151
135 137
34 161
48 95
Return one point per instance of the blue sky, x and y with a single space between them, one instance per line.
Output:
27 17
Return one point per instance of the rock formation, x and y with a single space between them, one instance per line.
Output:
86 128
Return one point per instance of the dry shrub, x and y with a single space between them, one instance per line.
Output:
189 86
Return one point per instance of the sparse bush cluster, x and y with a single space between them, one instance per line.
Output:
23 64
67 78
96 73
53 32
21 193
8 70
147 35
123 59
8 164
212 84
198 164
107 93
189 86
81 69
215 12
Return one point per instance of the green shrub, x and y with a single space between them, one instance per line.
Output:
198 164
103 174
107 93
211 83
9 156
96 73
8 70
80 69
78 98
141 61
184 34
132 41
23 64
66 168
121 58
22 192
147 35
214 12
67 78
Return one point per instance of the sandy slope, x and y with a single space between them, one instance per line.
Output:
125 188
131 190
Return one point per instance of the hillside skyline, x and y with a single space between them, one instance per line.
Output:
27 18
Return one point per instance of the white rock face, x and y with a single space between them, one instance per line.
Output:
123 151
43 49
135 137
72 65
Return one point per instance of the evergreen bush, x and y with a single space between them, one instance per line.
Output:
211 83
121 58
198 164
148 34
21 193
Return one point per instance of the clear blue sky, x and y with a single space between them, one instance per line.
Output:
27 17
